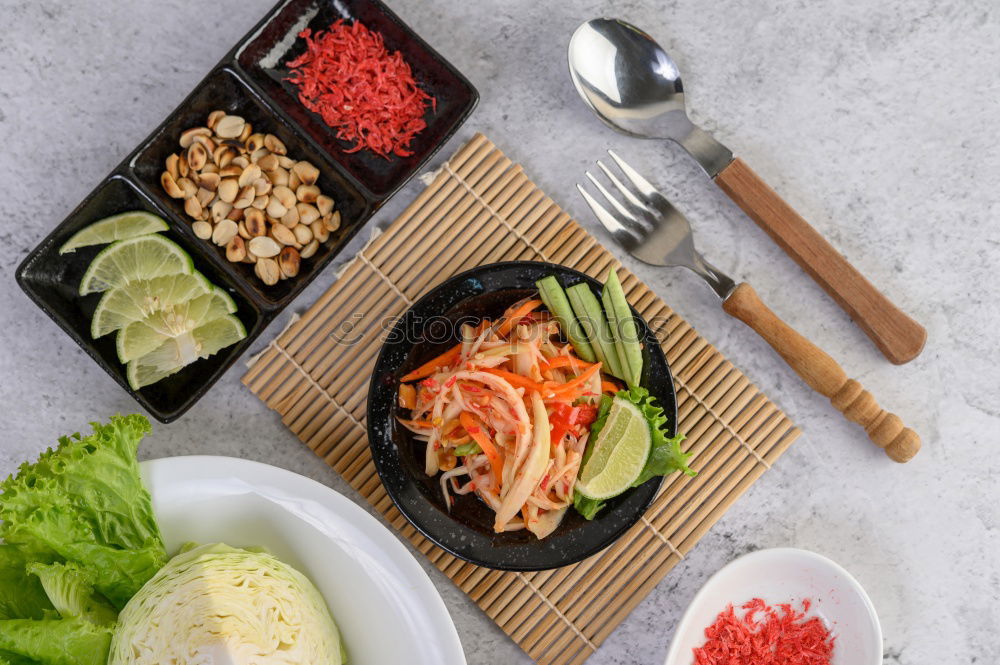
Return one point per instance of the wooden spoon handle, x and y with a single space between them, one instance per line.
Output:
824 375
897 336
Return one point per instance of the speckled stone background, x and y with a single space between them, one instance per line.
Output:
877 121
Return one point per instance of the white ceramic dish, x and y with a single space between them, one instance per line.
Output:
386 607
781 575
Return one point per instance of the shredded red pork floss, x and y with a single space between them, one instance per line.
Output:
780 635
359 88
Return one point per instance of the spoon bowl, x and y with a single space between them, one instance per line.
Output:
634 86
627 79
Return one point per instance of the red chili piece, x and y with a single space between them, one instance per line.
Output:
780 636
366 93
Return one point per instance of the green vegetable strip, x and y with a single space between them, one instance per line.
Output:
595 325
623 327
468 449
554 297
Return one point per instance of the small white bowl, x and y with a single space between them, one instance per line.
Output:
783 575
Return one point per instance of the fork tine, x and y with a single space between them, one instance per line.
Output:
641 184
606 218
620 186
625 216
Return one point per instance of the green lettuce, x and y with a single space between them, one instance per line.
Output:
21 595
665 454
79 540
84 502
71 589
8 658
55 641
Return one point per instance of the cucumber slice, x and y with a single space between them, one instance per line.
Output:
591 317
623 327
555 299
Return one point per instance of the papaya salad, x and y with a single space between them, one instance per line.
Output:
512 411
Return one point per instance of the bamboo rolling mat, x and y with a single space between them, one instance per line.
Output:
481 208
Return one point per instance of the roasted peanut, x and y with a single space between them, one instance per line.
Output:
310 249
236 250
229 126
264 247
202 229
224 231
169 184
268 271
288 262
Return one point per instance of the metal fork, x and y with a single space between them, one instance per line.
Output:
645 223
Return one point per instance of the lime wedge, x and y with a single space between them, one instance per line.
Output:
127 225
178 352
141 337
136 300
619 453
130 260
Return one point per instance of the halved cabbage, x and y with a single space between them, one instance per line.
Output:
227 606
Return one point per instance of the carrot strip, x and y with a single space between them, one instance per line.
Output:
609 387
564 361
516 315
574 384
407 396
492 454
434 365
516 380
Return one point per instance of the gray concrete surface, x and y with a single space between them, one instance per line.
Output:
877 121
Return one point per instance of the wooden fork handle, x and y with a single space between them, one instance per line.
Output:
824 375
897 336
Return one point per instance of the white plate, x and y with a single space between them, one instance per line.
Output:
778 576
384 604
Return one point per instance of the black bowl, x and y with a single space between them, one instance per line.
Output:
466 531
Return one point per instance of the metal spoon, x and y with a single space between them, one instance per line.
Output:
632 84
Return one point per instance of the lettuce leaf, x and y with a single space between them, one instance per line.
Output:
84 502
8 658
21 595
586 506
71 589
55 641
665 454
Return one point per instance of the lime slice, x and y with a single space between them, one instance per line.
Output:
137 300
130 260
127 225
141 337
178 352
619 453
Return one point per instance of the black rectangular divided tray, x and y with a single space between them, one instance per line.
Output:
248 81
